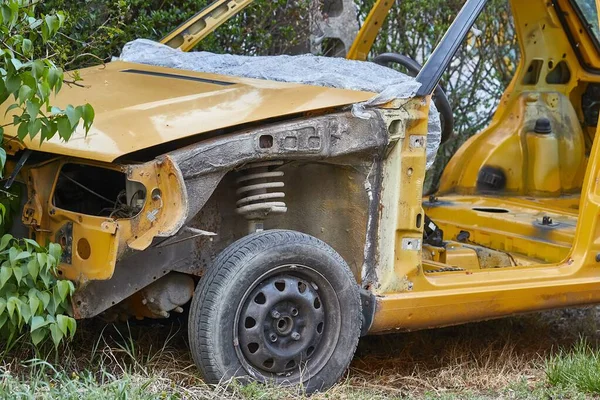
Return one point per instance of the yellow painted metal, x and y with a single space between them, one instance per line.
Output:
98 242
370 29
553 258
135 111
186 36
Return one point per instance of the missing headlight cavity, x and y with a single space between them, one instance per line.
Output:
96 191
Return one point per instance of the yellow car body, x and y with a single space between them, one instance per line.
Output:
532 243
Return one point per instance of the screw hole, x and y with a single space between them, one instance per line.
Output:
320 327
268 363
265 141
290 364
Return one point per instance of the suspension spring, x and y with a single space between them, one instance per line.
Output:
260 191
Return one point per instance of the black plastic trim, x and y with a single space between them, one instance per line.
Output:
432 71
175 76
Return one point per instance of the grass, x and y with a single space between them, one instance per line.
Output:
579 368
551 355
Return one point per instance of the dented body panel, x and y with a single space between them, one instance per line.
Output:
139 106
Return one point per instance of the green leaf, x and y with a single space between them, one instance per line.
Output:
18 273
55 251
16 63
25 93
35 245
63 289
33 108
64 128
54 75
23 130
5 274
72 325
2 305
46 278
22 255
45 298
10 108
57 334
37 68
13 83
5 241
27 46
6 14
42 259
34 304
38 335
63 323
33 267
38 322
25 312
74 115
11 304
44 91
3 319
88 117
2 159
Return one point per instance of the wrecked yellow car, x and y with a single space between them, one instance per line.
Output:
292 215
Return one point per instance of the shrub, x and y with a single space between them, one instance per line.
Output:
30 295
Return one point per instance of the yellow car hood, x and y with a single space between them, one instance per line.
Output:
139 106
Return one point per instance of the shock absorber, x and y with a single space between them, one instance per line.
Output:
260 193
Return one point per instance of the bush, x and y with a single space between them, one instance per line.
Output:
30 295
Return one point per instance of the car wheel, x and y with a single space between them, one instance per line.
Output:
279 307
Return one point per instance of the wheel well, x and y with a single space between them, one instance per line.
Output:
328 201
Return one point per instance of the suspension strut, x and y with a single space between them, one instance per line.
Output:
260 193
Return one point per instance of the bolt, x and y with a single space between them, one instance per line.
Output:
296 336
294 312
275 314
546 220
273 337
598 257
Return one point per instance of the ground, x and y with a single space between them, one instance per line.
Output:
549 355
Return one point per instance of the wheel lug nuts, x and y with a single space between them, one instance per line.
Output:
296 336
275 314
294 312
273 337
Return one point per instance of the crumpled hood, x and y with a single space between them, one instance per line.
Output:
140 106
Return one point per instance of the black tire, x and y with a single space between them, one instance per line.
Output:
310 299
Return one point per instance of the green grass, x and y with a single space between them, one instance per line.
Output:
515 358
578 368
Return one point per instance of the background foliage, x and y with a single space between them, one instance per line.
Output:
96 30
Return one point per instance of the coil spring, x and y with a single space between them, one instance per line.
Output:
256 200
